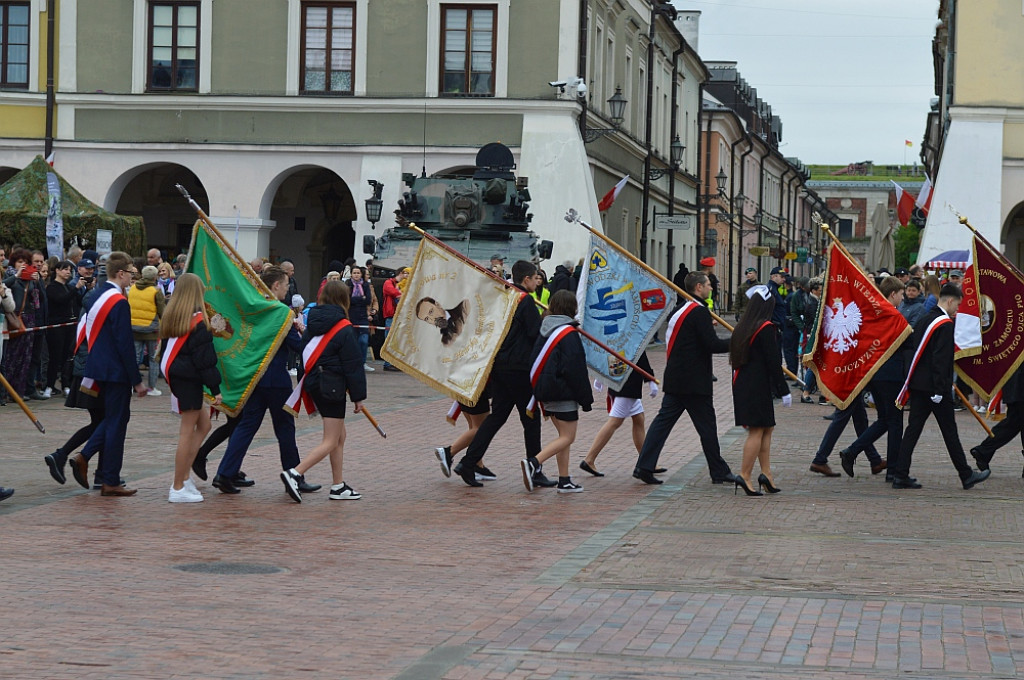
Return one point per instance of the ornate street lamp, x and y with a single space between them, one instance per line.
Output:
617 108
374 204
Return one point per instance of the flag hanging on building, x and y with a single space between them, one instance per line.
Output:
1001 293
924 197
612 194
247 327
907 142
904 204
858 330
450 322
622 304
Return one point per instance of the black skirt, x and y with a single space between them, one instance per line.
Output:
325 407
483 404
189 394
78 399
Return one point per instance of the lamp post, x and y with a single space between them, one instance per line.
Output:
676 150
374 204
617 109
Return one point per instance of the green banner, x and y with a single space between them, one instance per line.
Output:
247 327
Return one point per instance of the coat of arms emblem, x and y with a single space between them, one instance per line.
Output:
841 326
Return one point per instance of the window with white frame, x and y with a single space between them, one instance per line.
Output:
328 47
173 63
468 50
14 45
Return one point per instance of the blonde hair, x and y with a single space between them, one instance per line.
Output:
164 267
186 300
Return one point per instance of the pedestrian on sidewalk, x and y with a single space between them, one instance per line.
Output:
757 377
560 387
392 293
147 303
332 367
622 404
692 341
189 363
928 387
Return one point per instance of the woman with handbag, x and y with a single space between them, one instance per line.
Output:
332 367
29 301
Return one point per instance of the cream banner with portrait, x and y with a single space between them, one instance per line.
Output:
450 322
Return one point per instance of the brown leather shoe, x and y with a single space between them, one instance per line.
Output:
80 470
107 490
823 470
879 466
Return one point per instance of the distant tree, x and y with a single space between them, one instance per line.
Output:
908 241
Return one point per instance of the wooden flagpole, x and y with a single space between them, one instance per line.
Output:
17 398
963 398
573 216
588 336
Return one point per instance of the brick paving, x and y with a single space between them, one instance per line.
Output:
426 578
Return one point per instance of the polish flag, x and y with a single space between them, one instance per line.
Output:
612 194
924 199
904 204
50 158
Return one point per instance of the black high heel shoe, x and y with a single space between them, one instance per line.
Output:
740 482
762 480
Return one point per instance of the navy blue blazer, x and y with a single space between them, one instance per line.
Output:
276 375
112 355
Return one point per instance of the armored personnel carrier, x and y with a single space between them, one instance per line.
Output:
478 215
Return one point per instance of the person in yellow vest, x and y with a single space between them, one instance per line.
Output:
543 293
147 305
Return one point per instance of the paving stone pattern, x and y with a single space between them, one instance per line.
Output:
426 578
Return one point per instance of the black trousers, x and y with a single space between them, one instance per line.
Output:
1003 432
60 342
921 406
509 389
702 413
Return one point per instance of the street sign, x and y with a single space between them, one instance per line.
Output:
673 221
758 251
801 252
104 241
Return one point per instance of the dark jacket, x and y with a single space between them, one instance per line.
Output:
196 360
562 280
934 372
112 355
913 309
514 353
564 376
688 368
341 357
276 375
18 289
358 306
633 387
781 310
62 301
1013 390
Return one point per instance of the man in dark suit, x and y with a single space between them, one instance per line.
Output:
113 371
448 321
1007 428
930 384
691 341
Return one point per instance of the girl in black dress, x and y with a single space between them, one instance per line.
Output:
338 371
757 378
190 361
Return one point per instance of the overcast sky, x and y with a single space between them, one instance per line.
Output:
851 79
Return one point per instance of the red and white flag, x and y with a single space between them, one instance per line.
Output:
904 204
612 194
924 199
858 330
51 158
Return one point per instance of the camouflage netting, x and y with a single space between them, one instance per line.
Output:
23 208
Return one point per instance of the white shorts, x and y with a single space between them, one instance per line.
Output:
624 407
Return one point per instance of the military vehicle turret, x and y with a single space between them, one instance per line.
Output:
477 214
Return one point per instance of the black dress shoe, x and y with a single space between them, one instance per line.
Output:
587 467
976 477
224 484
847 459
5 493
979 458
660 471
905 483
240 480
728 479
304 486
646 476
56 461
199 467
540 479
467 473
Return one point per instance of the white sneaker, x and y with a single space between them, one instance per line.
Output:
344 492
184 495
67 391
154 392
48 392
190 485
368 368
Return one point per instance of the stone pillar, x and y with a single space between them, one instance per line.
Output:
253 235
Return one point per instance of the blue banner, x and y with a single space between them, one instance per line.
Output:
622 304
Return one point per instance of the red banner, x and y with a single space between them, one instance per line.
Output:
1001 292
857 330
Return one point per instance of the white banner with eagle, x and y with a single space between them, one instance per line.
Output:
450 322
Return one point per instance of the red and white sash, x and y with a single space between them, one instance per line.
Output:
454 412
317 344
753 337
676 322
904 395
174 346
90 325
542 359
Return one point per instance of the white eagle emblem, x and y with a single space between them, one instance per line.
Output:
841 325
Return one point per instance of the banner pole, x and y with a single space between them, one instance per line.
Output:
572 216
967 404
373 421
588 336
17 398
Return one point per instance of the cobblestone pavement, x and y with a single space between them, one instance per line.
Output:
426 578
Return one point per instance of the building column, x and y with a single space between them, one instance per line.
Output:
250 236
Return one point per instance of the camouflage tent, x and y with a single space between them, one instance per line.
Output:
23 207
